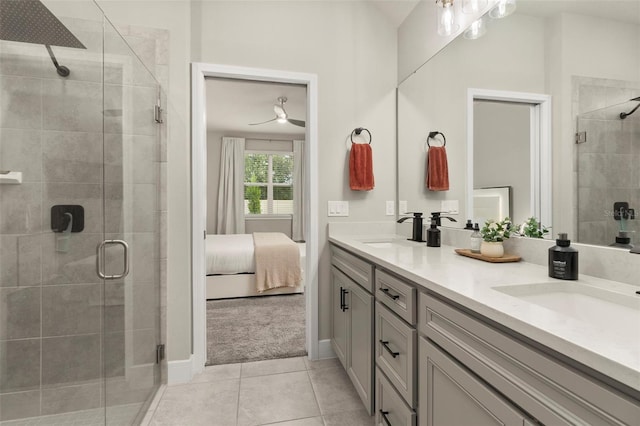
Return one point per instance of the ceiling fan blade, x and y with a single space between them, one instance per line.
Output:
263 122
299 123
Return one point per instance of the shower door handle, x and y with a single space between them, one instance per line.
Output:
100 260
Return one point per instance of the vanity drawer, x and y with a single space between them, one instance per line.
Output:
396 295
396 352
355 268
390 407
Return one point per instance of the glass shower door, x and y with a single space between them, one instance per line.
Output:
132 216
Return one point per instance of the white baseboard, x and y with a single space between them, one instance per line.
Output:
179 371
325 350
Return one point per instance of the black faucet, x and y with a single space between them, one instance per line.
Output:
436 216
417 226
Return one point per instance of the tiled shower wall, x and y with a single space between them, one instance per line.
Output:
61 330
608 163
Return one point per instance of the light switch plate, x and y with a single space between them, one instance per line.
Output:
402 209
337 208
450 206
390 208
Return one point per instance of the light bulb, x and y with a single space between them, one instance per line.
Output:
282 120
476 30
446 18
503 8
473 6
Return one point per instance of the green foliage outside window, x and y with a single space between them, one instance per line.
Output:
253 194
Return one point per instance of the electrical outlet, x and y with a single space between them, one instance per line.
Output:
390 208
402 209
450 206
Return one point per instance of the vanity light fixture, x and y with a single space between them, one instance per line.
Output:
473 6
476 30
503 8
446 18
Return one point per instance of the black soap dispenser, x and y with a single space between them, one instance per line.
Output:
433 235
563 259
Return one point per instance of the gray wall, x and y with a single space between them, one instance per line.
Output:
501 152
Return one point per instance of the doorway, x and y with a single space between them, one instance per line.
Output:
201 72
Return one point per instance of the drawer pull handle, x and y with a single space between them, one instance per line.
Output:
342 299
388 293
344 305
386 346
384 417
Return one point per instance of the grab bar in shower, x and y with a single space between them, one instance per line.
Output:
100 260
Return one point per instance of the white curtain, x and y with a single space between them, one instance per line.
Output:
299 178
231 191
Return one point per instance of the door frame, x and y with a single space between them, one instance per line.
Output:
540 147
199 72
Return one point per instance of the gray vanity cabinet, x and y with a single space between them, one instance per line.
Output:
450 395
395 350
339 284
352 320
551 391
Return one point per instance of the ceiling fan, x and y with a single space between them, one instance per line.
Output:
281 115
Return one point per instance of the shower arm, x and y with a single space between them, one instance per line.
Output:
624 115
61 69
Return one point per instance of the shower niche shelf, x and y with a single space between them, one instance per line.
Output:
11 178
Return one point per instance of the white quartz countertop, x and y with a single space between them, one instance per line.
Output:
591 338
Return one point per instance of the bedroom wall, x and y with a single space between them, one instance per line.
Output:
214 146
351 46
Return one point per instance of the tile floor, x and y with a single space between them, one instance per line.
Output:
285 392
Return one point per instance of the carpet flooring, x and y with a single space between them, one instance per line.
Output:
255 329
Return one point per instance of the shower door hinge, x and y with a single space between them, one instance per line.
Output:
157 114
581 137
159 353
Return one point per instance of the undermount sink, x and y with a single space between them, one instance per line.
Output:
587 303
379 244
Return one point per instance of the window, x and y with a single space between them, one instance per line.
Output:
268 183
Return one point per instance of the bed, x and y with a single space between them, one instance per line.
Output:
231 265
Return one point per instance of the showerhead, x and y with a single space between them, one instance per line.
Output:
624 115
31 22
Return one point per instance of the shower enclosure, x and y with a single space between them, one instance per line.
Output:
607 158
81 146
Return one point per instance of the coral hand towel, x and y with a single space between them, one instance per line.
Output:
361 167
437 169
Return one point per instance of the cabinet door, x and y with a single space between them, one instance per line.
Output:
360 342
339 283
451 396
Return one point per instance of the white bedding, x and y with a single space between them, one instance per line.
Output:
230 254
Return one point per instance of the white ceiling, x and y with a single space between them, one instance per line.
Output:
233 104
396 10
624 11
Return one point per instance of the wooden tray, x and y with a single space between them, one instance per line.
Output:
504 259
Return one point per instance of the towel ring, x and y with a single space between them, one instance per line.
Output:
359 130
432 135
